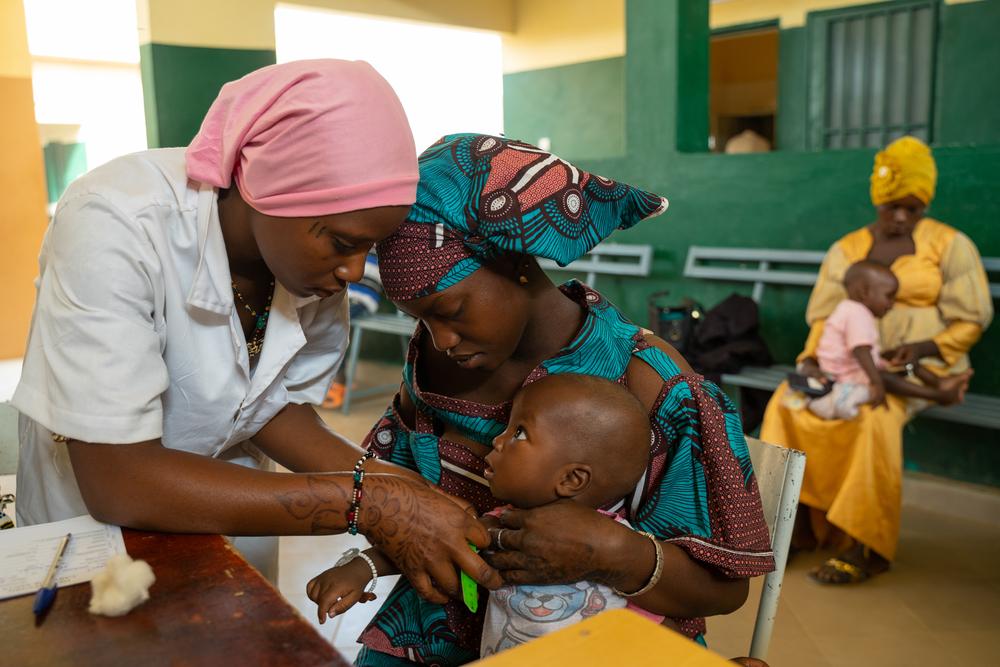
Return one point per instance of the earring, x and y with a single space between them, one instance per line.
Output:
523 279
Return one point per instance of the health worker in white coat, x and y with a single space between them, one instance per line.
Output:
191 309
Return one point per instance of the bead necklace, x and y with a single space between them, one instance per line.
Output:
256 342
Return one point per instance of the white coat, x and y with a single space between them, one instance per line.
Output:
135 335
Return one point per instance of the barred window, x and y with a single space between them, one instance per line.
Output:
871 74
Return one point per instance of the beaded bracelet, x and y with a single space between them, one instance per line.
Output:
353 553
657 571
359 479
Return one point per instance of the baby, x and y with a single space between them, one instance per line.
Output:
570 436
849 354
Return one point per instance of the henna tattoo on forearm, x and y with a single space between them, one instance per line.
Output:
396 516
324 504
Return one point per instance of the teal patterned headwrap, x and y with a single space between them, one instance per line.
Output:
480 196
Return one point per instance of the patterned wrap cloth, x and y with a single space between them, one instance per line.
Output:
699 491
480 196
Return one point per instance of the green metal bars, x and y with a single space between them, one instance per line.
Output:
872 74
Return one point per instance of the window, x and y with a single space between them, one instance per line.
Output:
743 88
871 74
86 84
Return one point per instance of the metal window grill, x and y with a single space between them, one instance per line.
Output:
875 71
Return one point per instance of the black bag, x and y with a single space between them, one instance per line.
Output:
728 339
674 324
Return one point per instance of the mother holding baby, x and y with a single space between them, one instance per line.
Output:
853 479
491 322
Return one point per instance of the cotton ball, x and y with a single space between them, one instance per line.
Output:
121 586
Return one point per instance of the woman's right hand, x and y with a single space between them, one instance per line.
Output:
425 533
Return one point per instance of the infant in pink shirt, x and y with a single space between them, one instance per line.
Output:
851 325
848 351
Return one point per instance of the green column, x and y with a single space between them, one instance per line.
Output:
666 76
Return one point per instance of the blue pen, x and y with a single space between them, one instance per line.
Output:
46 595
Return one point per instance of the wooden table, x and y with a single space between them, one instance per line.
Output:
207 607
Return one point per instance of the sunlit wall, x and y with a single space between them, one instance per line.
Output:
448 79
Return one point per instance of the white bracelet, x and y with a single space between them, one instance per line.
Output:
657 571
353 553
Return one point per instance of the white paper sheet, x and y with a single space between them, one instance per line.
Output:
26 553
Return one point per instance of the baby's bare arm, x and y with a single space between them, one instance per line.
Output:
926 376
384 566
863 354
946 390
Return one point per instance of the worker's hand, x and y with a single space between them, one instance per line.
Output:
426 533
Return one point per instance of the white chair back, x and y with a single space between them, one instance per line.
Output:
779 473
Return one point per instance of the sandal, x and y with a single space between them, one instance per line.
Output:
837 571
334 397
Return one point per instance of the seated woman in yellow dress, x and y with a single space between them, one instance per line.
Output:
854 468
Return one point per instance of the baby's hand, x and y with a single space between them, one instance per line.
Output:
338 589
877 395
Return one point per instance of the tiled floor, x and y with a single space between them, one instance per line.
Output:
939 605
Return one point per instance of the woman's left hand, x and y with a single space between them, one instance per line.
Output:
561 542
911 353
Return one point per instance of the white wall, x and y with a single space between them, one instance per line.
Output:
448 79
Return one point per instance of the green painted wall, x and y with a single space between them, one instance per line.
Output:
63 164
179 83
666 90
805 200
793 78
968 94
594 94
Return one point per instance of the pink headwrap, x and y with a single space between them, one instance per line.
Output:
308 138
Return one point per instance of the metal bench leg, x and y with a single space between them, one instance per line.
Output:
352 367
404 343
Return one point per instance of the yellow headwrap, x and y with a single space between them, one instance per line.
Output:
905 167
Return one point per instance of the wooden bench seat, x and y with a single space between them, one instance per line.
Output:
977 410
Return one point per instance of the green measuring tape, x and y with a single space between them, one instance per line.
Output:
470 589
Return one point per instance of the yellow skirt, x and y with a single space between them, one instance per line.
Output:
854 468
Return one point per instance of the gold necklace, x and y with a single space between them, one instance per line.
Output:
256 342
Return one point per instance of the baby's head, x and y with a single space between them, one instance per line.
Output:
570 436
871 284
